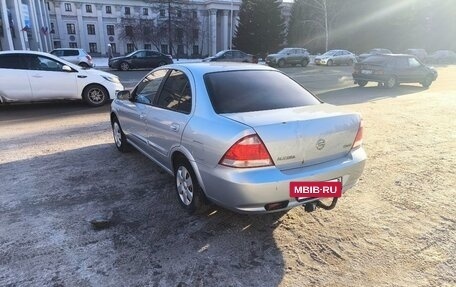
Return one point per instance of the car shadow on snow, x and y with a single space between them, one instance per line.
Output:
26 112
357 95
48 202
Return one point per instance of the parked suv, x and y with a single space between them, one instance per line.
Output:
75 56
393 69
289 56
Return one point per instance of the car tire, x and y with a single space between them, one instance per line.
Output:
281 63
361 83
120 140
330 62
304 63
427 82
391 82
95 95
188 190
124 66
84 65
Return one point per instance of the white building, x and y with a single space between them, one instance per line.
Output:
93 24
24 24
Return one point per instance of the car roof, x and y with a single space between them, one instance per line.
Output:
393 55
67 49
24 52
49 55
202 68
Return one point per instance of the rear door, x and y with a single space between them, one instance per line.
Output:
139 59
14 80
167 118
71 56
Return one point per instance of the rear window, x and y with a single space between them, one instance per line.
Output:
248 91
376 60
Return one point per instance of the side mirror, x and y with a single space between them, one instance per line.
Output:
124 95
67 68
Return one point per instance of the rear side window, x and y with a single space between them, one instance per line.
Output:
58 53
402 62
68 53
375 60
13 61
176 94
248 91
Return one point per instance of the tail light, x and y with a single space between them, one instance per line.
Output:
359 136
249 151
89 57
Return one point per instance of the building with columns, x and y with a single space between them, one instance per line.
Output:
93 24
24 25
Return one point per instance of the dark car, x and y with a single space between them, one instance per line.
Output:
393 69
232 56
289 56
140 59
376 51
442 57
421 54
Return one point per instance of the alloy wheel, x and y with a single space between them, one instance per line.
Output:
117 134
184 185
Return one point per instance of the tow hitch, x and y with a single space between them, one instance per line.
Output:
312 206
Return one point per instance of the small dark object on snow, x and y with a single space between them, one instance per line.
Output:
102 221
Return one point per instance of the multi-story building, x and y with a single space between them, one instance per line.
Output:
93 24
24 24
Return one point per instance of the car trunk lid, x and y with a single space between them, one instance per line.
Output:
303 136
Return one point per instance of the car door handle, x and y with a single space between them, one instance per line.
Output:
174 127
37 76
82 76
142 116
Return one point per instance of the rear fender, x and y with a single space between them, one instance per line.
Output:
181 149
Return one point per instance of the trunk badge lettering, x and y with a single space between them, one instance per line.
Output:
320 144
286 157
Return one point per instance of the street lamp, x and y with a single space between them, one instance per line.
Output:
169 28
231 30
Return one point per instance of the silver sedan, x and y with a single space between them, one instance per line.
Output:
336 57
237 135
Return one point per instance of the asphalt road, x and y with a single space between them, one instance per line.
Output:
397 227
315 78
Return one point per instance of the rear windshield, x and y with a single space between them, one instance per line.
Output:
375 60
248 91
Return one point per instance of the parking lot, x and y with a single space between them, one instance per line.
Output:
397 227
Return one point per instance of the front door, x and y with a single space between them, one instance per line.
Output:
49 81
133 113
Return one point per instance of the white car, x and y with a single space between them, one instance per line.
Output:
28 76
336 57
75 56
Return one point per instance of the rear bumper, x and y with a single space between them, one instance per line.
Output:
369 78
249 190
